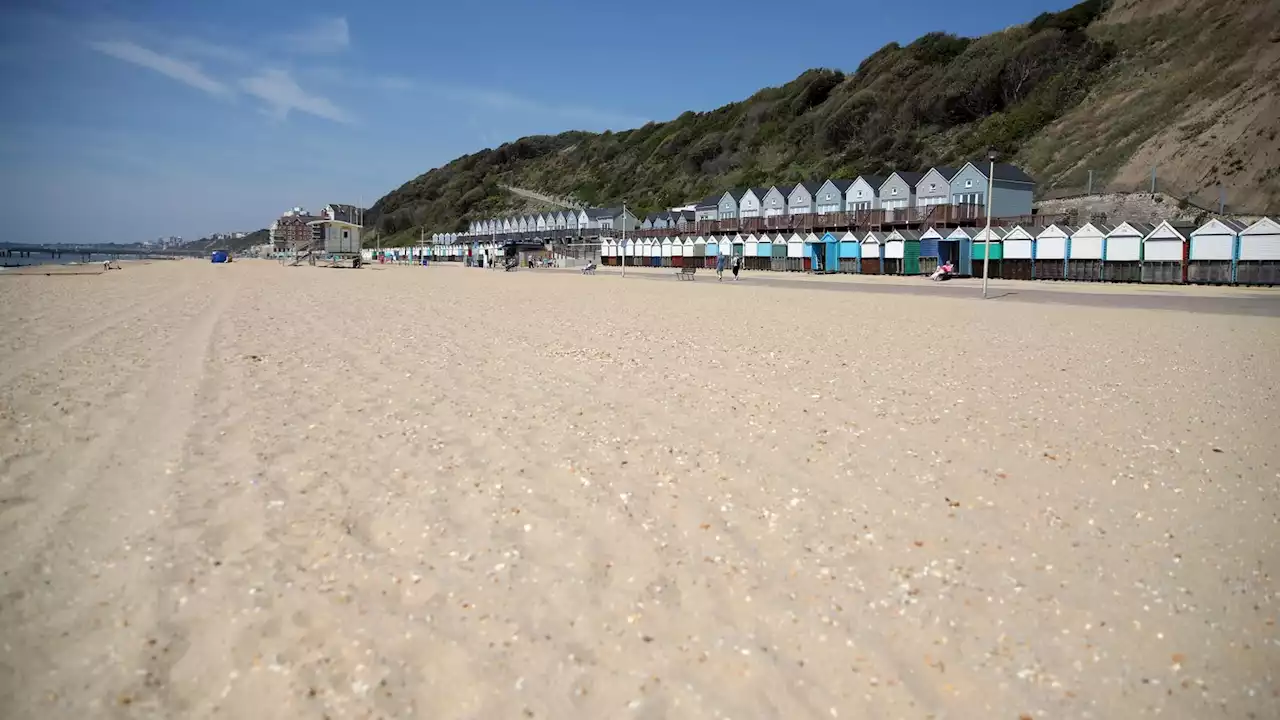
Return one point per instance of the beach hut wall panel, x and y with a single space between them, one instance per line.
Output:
666 247
796 255
830 197
750 247
831 252
774 202
1051 252
963 239
863 194
1259 254
1084 252
738 246
989 241
1164 253
1212 255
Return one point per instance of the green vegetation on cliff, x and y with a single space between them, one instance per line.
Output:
941 99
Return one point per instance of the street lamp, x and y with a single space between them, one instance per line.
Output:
986 237
624 240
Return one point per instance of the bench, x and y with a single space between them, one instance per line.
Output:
686 273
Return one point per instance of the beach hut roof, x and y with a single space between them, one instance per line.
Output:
932 234
966 232
1264 226
1003 171
904 235
795 237
1217 226
1057 230
1132 229
1179 230
779 239
875 236
1094 230
1022 232
848 236
812 238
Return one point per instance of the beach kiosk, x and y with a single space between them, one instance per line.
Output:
873 252
779 261
1051 252
1122 253
1211 258
1019 252
1164 253
1259 261
1084 254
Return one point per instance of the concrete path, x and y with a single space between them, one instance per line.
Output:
1263 302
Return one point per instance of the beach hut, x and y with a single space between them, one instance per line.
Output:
609 252
666 252
1084 254
1122 252
850 252
738 246
713 249
932 246
962 239
795 253
903 246
1214 246
815 253
1259 254
686 251
873 253
989 240
699 252
1051 252
1164 253
779 248
830 249
751 252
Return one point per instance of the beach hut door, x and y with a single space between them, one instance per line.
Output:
833 256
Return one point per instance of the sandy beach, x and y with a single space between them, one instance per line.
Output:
253 491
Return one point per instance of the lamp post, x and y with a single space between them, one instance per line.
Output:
986 236
624 239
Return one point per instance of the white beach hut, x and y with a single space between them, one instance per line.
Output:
1084 254
1051 252
1164 253
873 252
1212 255
1122 253
1259 255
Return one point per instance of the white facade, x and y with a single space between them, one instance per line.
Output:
795 246
749 205
1086 243
1051 243
1260 241
1019 242
1215 240
1124 244
1164 244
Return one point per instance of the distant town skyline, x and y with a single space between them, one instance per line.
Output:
183 120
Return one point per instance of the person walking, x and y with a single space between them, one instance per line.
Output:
720 267
737 265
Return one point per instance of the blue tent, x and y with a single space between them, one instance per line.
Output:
219 256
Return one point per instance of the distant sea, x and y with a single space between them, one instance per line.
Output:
67 259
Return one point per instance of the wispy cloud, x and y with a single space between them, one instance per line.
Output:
506 101
282 94
184 72
328 35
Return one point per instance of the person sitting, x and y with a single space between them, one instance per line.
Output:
943 272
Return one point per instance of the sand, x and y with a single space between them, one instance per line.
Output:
252 491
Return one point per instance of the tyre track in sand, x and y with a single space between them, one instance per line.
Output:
95 533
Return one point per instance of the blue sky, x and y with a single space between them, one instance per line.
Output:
135 119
